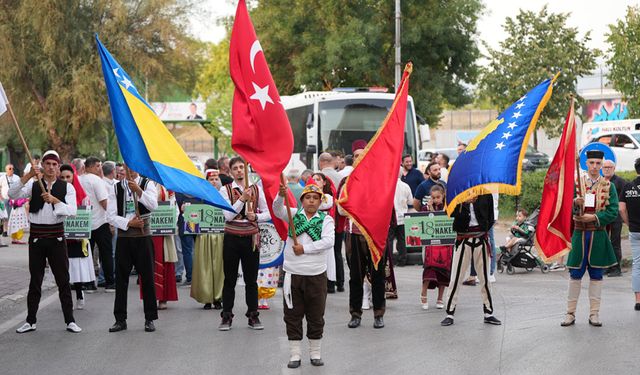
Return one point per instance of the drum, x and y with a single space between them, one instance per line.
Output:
271 246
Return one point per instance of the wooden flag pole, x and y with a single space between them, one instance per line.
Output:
135 196
24 143
579 187
249 208
287 205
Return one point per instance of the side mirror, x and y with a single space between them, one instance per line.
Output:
630 146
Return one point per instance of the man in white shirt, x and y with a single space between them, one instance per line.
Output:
6 180
47 211
327 165
403 198
98 195
134 246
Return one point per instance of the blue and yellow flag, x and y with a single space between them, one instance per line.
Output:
145 143
492 162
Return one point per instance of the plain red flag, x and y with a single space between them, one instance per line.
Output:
261 131
367 196
553 235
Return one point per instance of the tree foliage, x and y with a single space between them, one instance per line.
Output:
538 46
624 58
51 68
320 45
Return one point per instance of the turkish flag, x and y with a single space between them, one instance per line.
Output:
261 131
553 234
368 193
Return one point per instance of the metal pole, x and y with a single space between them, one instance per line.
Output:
398 64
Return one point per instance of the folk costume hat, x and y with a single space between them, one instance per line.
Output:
51 155
595 154
311 187
358 144
209 172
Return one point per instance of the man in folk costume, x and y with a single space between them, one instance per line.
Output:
591 250
134 247
305 264
47 211
472 221
241 243
360 262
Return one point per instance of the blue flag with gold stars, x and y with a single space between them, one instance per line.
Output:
492 161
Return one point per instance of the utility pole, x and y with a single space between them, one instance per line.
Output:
398 65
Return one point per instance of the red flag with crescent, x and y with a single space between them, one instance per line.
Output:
553 233
261 131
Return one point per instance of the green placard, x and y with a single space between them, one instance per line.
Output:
163 220
428 228
78 226
203 218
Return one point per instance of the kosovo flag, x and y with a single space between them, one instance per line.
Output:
145 143
492 161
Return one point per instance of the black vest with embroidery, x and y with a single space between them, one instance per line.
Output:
122 202
58 190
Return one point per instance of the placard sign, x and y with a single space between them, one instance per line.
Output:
203 218
428 228
79 226
163 219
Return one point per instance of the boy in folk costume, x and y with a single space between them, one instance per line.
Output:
305 264
591 249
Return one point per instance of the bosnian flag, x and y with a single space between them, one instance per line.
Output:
3 100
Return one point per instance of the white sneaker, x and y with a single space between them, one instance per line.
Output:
492 278
73 327
79 304
26 328
425 306
439 305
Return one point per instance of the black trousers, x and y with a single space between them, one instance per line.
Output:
102 237
337 252
359 260
135 252
309 297
397 232
42 250
615 234
236 249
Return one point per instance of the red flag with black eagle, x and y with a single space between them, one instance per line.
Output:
261 130
370 205
553 233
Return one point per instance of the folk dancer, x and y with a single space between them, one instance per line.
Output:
591 249
305 266
47 212
472 221
134 246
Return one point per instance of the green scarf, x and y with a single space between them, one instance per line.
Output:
311 227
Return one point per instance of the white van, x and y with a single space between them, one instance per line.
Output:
622 136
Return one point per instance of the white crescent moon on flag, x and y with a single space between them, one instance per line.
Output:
255 48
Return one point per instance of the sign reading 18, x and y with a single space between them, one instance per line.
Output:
427 227
209 216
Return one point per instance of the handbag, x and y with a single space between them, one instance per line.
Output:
438 257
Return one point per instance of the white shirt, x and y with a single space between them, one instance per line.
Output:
333 175
314 260
345 172
401 200
149 199
6 182
473 221
496 196
262 211
444 174
48 214
96 189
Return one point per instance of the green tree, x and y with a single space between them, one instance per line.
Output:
51 68
320 45
538 46
624 58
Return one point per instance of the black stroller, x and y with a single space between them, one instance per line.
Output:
521 256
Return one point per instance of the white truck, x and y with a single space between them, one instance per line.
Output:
623 136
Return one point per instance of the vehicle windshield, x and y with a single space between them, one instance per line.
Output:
343 121
636 136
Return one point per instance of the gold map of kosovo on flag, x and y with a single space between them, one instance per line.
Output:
492 162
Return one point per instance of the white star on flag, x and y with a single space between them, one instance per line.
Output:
506 135
516 114
512 125
262 95
520 105
522 99
125 81
500 145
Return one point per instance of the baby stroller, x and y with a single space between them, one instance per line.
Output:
521 255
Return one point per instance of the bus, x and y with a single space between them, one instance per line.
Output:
332 120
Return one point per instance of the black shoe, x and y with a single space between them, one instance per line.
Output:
447 321
317 362
149 326
400 264
227 319
178 279
217 305
378 322
340 288
331 290
615 273
102 284
354 322
254 323
492 320
207 306
118 326
637 306
293 364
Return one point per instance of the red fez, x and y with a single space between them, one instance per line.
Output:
358 144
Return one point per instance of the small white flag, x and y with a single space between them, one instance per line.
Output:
3 100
